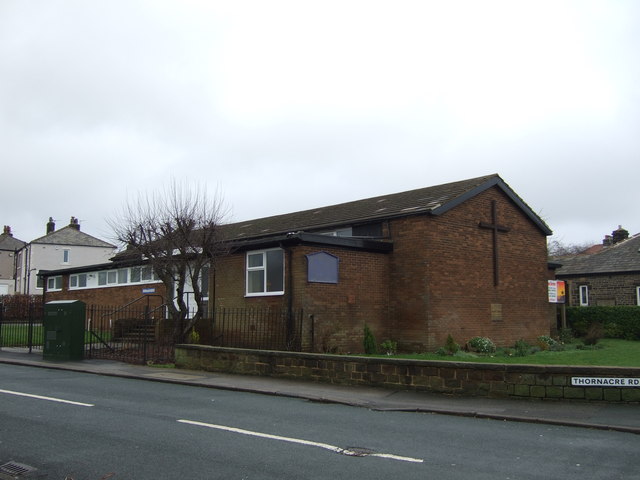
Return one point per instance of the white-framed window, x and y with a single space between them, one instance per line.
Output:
123 275
78 281
637 295
265 272
66 255
584 295
54 283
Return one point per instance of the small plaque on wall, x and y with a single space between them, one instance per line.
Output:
496 312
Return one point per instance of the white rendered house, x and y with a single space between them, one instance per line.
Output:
64 248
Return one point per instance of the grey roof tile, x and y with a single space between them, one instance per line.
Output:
71 236
435 200
619 258
8 242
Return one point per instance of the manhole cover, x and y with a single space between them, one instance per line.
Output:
15 471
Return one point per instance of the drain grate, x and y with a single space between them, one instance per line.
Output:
357 452
15 471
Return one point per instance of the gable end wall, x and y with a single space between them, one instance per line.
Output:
442 276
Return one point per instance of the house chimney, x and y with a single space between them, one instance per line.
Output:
51 226
619 235
7 231
607 241
74 223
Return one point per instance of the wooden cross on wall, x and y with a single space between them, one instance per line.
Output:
495 228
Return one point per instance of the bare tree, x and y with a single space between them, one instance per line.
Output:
177 230
557 248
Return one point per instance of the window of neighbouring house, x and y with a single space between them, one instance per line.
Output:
322 267
637 295
66 253
265 272
78 281
584 296
54 283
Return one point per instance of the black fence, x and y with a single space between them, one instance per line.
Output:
133 335
141 334
21 322
257 328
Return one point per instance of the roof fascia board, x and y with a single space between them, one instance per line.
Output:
302 238
495 182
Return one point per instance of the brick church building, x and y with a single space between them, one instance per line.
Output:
465 259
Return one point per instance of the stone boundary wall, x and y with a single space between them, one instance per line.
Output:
458 378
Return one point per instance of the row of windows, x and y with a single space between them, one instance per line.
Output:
122 276
583 292
113 277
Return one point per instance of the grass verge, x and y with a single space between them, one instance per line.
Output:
608 352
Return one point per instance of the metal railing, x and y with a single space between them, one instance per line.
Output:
257 328
135 335
21 322
140 334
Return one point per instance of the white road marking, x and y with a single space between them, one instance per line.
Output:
51 399
299 441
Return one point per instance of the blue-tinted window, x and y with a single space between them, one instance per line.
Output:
322 267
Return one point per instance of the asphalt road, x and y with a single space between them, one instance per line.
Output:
88 427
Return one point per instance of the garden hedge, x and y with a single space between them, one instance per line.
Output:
618 322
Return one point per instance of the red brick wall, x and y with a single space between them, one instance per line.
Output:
340 311
437 281
335 313
107 296
442 276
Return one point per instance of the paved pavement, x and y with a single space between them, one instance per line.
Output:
607 416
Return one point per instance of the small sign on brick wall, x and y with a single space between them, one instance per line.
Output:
604 382
148 290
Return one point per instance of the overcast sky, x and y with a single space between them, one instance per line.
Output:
287 105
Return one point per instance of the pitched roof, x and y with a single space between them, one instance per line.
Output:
619 258
8 242
70 235
434 200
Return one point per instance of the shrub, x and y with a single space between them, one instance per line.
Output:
547 343
451 346
370 345
194 337
522 348
594 334
481 345
565 335
389 347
